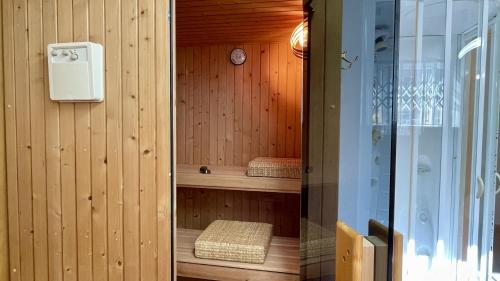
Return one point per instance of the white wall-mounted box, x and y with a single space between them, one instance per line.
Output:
76 72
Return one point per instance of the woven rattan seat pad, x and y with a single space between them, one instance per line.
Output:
234 241
274 167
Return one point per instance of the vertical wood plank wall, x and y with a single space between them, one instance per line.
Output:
227 114
197 208
4 226
88 184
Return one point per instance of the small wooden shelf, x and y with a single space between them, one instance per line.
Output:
233 178
282 262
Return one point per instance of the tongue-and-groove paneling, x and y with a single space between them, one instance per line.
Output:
4 226
88 185
227 115
236 21
198 207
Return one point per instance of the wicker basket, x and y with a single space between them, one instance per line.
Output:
234 241
275 167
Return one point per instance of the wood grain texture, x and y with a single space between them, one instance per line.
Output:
52 154
233 178
4 219
98 159
88 183
21 70
382 232
11 139
130 93
83 157
36 64
164 196
348 254
227 115
197 271
368 261
215 21
147 140
114 139
198 207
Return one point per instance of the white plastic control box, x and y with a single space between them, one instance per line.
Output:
76 72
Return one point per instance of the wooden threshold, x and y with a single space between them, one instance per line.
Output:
233 178
282 262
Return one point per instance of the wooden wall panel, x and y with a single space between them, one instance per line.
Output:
10 129
52 155
130 90
88 183
227 114
163 156
197 208
36 64
4 223
216 21
83 157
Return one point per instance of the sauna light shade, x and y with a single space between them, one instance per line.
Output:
298 40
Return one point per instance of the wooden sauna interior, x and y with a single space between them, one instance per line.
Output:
227 115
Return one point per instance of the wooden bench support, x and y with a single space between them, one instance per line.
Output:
377 229
355 256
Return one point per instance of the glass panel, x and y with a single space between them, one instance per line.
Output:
489 147
319 193
442 138
380 122
347 153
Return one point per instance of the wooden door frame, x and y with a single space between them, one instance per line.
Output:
322 102
173 137
4 233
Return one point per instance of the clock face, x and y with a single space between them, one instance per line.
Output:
238 56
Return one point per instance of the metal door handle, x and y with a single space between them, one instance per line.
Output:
480 187
497 175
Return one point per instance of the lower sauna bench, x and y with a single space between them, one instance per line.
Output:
282 261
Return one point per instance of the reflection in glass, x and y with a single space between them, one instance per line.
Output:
346 153
444 174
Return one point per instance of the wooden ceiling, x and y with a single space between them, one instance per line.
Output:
236 21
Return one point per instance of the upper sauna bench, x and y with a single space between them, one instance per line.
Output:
233 178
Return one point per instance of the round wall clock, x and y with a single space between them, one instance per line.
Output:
238 56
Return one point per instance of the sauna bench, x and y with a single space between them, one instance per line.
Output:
233 178
282 261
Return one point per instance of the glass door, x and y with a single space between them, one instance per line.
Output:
475 156
488 147
448 120
469 153
348 130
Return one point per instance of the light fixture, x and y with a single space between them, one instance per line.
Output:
298 40
472 45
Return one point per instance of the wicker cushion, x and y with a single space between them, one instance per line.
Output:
274 167
234 241
316 241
